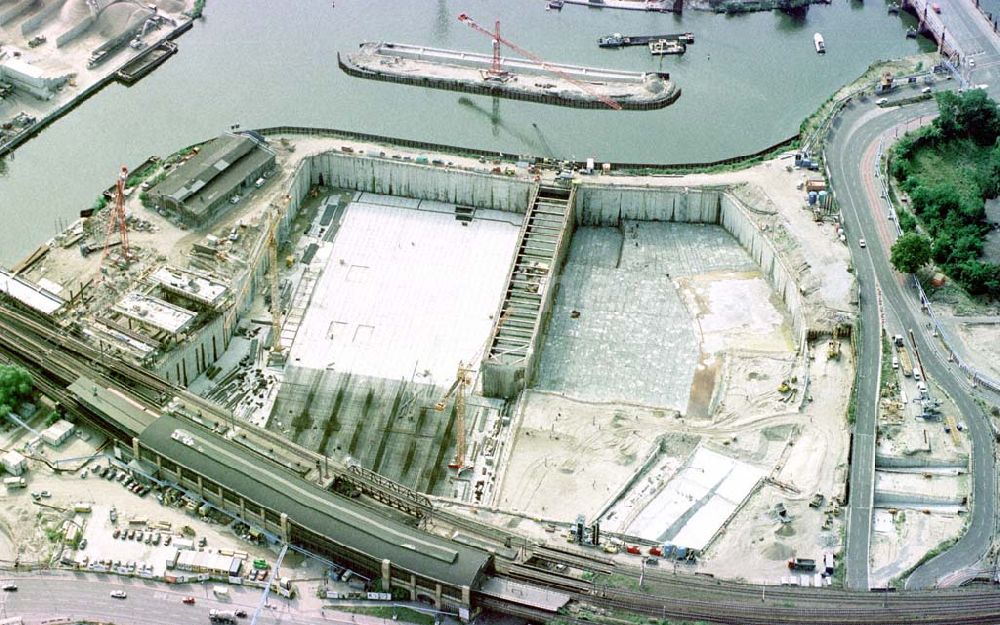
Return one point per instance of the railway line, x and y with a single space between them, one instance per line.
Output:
58 360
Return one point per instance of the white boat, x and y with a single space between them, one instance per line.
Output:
820 44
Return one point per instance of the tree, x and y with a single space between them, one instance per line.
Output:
15 387
910 252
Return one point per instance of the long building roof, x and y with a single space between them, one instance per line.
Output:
307 505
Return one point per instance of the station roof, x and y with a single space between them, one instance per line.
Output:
155 312
32 295
129 415
192 285
307 505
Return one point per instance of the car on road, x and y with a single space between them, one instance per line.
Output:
881 101
188 600
118 594
972 62
926 90
241 613
9 587
862 243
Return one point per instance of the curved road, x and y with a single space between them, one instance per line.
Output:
852 165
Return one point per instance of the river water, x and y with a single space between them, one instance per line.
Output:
747 83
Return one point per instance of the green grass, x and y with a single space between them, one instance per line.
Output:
943 546
887 377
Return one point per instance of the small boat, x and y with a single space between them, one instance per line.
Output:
555 4
663 46
820 44
616 40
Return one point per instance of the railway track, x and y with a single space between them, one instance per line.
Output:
61 359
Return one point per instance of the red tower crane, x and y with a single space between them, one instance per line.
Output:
116 220
496 71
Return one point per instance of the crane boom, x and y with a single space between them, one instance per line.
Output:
116 220
496 70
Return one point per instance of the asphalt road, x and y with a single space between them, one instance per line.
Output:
88 596
857 133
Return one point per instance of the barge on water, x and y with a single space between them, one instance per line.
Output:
144 63
618 40
657 6
520 79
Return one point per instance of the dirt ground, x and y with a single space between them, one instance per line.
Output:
899 540
565 446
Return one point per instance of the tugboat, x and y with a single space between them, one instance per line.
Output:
663 46
555 4
616 40
820 44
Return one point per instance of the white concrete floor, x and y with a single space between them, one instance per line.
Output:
407 290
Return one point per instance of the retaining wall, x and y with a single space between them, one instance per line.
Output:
17 11
75 31
423 182
35 22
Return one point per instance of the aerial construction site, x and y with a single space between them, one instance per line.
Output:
666 358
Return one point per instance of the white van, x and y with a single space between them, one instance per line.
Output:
895 362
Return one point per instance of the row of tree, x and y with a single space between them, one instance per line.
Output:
951 208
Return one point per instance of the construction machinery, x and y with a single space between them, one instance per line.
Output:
116 221
457 389
497 73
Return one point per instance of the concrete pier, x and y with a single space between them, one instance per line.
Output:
552 83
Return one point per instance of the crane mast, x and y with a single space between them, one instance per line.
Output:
272 251
116 220
458 390
496 71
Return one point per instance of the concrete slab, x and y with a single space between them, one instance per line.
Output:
621 282
697 501
405 292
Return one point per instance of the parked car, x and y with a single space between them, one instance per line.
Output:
10 587
83 543
117 533
241 613
138 536
45 494
188 600
118 594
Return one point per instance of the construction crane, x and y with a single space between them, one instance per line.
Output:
496 71
116 221
277 350
458 390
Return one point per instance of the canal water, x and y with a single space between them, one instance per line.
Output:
747 83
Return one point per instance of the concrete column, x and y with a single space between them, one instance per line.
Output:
386 575
413 588
243 508
201 488
285 529
466 597
437 596
178 474
135 447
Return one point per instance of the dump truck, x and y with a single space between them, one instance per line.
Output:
905 365
802 564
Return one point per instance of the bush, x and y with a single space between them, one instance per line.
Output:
15 387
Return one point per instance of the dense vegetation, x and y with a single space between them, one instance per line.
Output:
15 387
949 168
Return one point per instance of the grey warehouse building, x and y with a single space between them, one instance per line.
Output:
200 188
